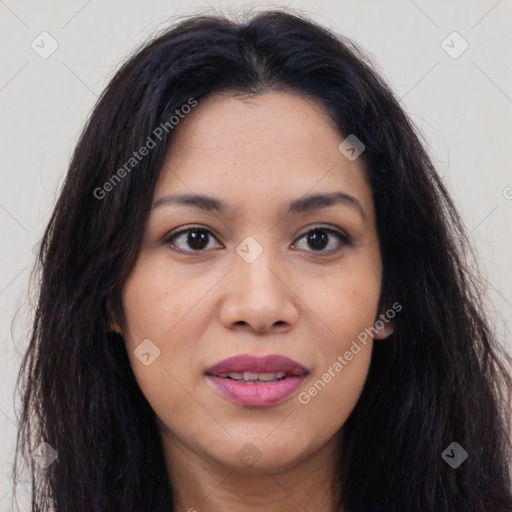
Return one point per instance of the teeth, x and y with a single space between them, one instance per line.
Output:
270 376
233 375
252 376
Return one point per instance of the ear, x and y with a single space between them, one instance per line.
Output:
113 324
386 331
384 326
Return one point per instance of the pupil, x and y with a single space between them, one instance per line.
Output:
318 237
197 239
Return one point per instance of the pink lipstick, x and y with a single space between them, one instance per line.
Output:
256 381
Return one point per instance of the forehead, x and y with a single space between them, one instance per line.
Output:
275 144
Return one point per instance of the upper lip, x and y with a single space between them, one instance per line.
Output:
257 364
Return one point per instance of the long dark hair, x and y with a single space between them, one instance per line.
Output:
442 377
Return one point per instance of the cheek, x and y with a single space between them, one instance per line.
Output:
346 300
329 398
156 306
347 306
156 297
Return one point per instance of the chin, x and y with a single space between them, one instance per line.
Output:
275 466
261 458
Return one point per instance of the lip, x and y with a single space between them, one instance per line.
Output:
257 394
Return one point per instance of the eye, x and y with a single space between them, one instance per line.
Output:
319 237
196 238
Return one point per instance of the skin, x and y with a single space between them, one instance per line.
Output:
295 299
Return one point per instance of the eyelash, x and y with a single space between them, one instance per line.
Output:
344 239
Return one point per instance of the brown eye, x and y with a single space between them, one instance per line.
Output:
317 239
193 239
197 240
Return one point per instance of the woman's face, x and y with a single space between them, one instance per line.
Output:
253 276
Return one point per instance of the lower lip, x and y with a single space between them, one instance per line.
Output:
256 395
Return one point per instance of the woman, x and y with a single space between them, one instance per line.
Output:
255 295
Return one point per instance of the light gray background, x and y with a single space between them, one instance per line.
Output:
463 107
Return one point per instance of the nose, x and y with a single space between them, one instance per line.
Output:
259 297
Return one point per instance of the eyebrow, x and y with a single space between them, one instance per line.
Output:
303 204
